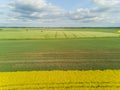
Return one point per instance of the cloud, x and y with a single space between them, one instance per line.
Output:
44 13
88 15
107 6
103 11
107 3
80 14
35 9
42 10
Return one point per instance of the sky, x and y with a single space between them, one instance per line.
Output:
60 13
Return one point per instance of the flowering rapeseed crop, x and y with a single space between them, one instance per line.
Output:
60 80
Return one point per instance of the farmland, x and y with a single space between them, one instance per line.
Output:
28 34
83 54
58 49
61 80
63 57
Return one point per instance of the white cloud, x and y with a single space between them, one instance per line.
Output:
107 2
88 15
41 12
32 9
80 14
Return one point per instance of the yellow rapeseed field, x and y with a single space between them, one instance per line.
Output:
118 31
61 80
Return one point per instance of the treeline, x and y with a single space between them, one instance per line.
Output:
60 27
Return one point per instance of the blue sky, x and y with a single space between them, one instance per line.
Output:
72 4
60 13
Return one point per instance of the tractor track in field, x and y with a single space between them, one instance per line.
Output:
64 51
61 61
64 85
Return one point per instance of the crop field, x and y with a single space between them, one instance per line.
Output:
75 53
61 80
51 34
58 49
69 54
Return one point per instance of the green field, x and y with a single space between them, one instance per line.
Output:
41 33
26 49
